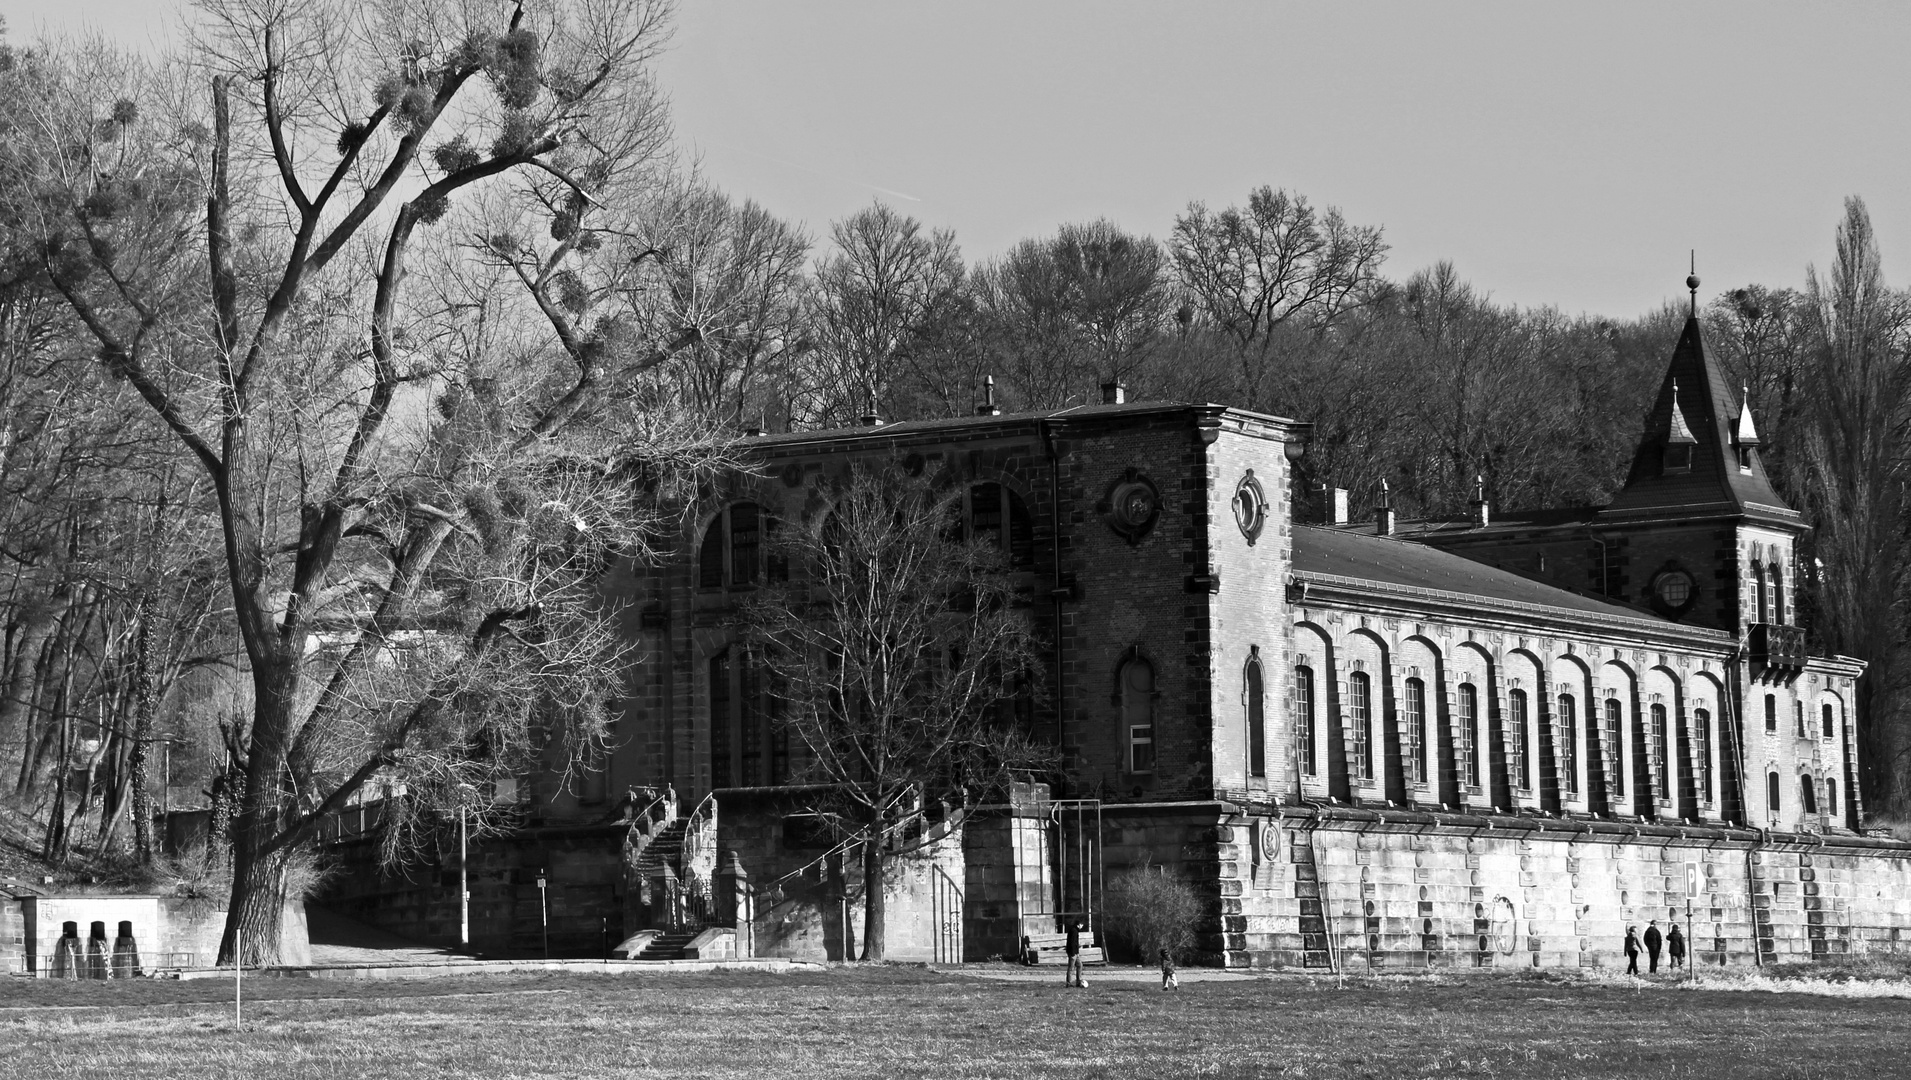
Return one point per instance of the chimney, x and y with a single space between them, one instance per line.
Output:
987 407
1113 393
869 420
1383 512
1338 512
1482 513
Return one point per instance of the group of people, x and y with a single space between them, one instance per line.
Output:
1072 971
1673 943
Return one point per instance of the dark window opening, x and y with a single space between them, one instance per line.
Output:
1771 713
1256 722
1771 793
1807 799
1359 694
1829 725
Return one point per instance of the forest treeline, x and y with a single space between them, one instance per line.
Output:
318 348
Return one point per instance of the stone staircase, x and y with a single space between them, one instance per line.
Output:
668 946
1313 921
664 852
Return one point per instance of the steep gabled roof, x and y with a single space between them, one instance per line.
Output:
1695 395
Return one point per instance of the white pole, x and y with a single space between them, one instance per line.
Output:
464 885
238 966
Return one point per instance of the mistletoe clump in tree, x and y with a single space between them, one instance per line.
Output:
901 662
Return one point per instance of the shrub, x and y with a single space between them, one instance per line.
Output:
1148 910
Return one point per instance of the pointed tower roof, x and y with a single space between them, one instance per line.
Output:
1696 400
1747 435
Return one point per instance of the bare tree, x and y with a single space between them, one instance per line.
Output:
1276 262
1071 312
900 656
417 487
873 296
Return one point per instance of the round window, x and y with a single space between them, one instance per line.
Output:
1250 506
1674 588
1132 506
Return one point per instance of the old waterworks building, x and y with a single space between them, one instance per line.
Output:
1493 741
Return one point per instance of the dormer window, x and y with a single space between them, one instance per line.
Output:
1744 458
1678 457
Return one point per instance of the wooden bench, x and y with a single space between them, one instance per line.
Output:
1053 948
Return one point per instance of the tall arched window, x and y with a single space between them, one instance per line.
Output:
1778 593
1771 714
1771 793
1138 713
1831 796
1569 744
1304 709
1798 720
1417 730
1763 611
1256 727
1830 726
1469 738
1661 755
1807 799
732 548
1614 749
1702 749
1359 714
1516 739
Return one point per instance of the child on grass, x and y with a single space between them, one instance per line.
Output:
1168 981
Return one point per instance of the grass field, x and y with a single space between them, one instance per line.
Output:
906 1022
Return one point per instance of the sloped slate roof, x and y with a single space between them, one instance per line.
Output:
1342 553
1714 483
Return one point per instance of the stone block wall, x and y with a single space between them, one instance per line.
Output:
1412 896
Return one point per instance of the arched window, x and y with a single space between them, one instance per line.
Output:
1516 739
1661 757
998 513
1771 714
1304 708
1469 738
1763 611
1778 593
1771 793
1798 720
1256 728
1831 796
1417 730
1702 749
1614 750
1569 744
1138 713
1807 799
1831 727
1359 713
732 549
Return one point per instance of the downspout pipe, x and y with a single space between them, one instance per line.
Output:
1058 591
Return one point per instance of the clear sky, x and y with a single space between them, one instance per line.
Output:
1558 153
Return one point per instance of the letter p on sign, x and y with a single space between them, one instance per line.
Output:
1691 880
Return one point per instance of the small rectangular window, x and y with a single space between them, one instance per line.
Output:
1660 757
1831 726
1798 720
1141 748
1771 714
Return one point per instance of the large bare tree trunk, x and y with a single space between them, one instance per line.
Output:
143 705
874 938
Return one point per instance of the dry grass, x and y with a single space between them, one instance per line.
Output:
897 1022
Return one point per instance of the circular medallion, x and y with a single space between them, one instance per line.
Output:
1250 506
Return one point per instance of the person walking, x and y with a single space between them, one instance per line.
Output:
1072 973
1675 947
1653 941
1632 950
1168 981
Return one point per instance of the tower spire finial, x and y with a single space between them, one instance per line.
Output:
1692 282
